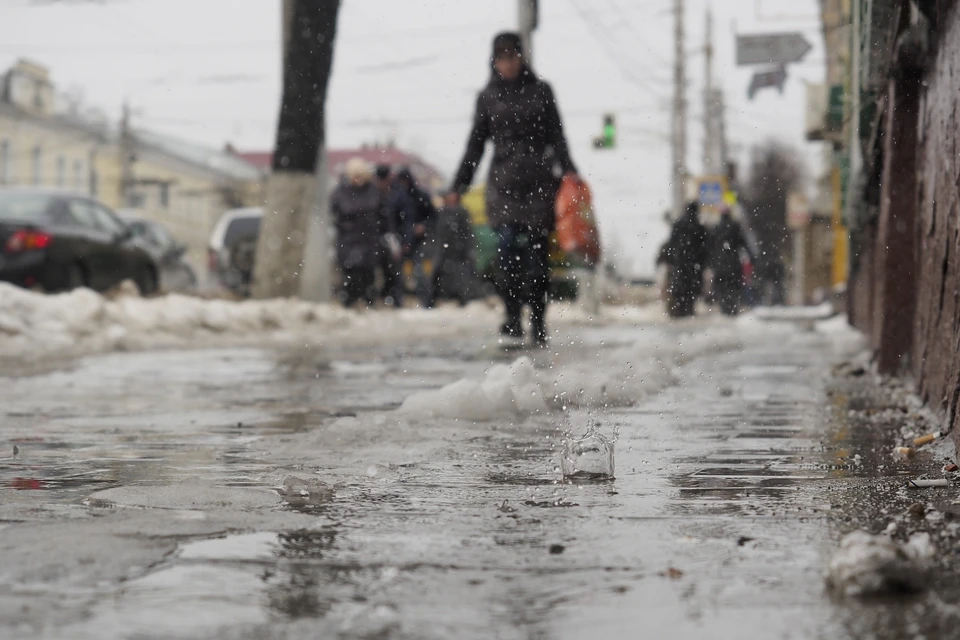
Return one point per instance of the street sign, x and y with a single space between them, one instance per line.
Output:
771 48
710 196
711 193
773 78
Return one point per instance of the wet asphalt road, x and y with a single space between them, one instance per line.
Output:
272 494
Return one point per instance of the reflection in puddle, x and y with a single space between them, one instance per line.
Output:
239 579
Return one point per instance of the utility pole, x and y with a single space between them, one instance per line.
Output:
294 251
127 155
714 134
527 17
856 82
722 130
679 117
709 107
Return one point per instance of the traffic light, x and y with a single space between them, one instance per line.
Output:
608 139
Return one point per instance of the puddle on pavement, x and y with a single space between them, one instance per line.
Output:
244 579
518 480
490 519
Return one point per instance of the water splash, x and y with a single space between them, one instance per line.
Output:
588 458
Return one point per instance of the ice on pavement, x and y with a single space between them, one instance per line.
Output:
187 495
870 565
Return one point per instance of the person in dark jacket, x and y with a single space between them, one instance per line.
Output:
685 253
518 112
391 257
453 274
726 245
413 212
358 213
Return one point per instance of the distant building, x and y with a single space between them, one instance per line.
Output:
39 146
184 186
426 174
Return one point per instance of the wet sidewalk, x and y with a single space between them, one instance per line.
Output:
291 500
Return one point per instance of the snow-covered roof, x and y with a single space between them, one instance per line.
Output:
218 161
337 158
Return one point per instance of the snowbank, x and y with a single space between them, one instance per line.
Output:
83 322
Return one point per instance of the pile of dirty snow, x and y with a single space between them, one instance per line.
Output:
505 390
871 565
620 377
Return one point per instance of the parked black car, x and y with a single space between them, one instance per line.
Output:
176 274
60 241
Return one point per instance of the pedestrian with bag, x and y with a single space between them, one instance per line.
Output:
518 112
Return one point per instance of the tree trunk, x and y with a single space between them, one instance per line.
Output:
296 196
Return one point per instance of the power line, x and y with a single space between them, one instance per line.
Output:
418 120
625 22
439 31
605 46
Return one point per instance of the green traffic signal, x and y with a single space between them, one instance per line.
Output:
608 140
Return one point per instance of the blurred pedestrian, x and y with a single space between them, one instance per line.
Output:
728 246
771 275
391 254
412 210
518 112
454 273
358 213
685 255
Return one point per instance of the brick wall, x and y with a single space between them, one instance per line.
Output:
936 339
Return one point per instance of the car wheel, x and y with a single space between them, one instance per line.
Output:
147 282
74 277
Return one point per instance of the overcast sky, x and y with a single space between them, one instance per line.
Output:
209 71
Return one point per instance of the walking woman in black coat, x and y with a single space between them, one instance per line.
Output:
518 112
359 215
685 253
728 244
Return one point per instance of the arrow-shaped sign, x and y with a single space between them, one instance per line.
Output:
771 48
773 78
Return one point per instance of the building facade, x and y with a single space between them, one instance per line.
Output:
40 146
184 186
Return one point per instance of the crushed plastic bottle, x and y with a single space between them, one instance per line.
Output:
588 458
